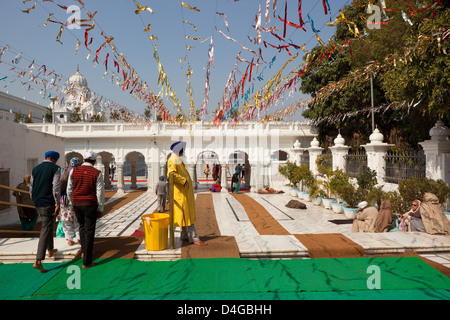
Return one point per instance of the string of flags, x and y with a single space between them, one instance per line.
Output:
240 100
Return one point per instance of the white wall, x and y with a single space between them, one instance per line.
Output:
20 150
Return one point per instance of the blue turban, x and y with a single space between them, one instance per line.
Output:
178 146
52 154
74 162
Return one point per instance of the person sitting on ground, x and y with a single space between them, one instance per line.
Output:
216 187
433 216
366 219
412 220
383 222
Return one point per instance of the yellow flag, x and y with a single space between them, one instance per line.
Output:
189 7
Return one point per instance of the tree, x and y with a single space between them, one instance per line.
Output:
342 67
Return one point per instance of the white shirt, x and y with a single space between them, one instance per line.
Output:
100 188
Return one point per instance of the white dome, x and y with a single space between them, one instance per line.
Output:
339 141
376 137
78 80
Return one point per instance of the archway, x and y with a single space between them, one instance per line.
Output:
70 155
210 158
238 160
107 167
277 158
134 169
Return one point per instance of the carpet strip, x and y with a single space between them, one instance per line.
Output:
261 219
332 245
208 230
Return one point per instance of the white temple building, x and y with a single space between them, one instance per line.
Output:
77 98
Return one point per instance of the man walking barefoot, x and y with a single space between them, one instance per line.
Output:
86 191
45 193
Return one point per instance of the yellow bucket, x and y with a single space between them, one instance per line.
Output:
156 227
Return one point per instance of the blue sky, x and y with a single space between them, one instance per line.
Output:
25 33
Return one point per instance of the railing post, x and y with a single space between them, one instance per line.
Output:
171 225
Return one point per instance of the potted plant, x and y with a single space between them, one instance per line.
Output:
352 196
315 194
324 180
339 179
306 179
288 171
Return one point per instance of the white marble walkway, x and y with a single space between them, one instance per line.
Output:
233 221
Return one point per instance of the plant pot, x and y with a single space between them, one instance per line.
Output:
327 202
305 196
350 213
338 207
300 194
293 192
316 201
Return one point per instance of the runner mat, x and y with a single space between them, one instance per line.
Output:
318 245
261 219
123 277
208 230
330 245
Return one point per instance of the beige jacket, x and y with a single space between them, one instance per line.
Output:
368 215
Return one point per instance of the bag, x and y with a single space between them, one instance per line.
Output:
59 231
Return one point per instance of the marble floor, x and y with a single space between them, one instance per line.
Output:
233 221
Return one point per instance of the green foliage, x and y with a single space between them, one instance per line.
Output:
326 174
417 69
351 195
304 176
367 180
398 204
338 180
288 171
20 117
316 191
414 188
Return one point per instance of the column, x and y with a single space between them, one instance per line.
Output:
106 178
252 177
162 171
150 182
297 152
437 153
191 170
120 182
223 177
339 151
314 152
133 159
376 151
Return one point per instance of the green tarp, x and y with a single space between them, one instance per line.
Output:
230 278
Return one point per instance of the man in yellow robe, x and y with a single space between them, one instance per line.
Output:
183 195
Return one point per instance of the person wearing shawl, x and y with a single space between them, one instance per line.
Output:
412 220
70 225
184 215
433 216
383 222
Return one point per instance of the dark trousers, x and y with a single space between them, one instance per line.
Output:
86 216
46 235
